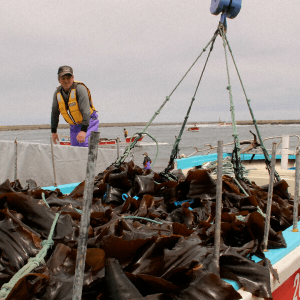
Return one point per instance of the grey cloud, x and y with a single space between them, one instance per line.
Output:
131 54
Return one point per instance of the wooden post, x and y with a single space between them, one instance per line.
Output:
118 147
86 213
296 194
218 203
285 152
16 161
270 196
53 162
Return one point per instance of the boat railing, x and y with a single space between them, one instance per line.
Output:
209 148
280 142
64 137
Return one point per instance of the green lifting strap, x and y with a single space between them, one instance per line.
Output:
129 148
175 150
236 158
120 160
142 218
265 152
32 263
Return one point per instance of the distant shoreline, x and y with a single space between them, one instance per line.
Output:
65 126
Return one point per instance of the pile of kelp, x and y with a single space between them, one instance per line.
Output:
148 238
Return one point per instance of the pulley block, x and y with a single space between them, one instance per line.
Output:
230 8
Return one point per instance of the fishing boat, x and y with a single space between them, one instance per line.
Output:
225 124
65 141
251 153
114 242
194 128
131 139
251 156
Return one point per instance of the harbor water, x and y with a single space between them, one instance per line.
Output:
165 136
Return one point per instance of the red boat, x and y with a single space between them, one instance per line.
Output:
194 128
66 141
131 139
101 142
225 124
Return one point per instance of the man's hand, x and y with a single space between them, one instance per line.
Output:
81 137
55 138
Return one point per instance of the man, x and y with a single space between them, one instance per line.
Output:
73 100
147 161
125 133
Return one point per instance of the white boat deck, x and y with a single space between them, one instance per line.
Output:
261 177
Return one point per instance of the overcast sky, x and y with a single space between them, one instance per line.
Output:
132 53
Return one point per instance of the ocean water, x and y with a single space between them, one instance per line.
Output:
165 136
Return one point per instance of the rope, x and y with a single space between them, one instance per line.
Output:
227 168
32 263
44 199
142 218
240 187
242 218
260 211
168 177
267 158
131 146
175 150
236 157
119 161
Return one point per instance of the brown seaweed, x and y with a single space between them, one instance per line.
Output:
155 237
36 214
17 243
253 277
119 287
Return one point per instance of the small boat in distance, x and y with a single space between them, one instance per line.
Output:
193 128
65 140
224 123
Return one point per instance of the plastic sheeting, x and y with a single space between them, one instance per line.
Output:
34 161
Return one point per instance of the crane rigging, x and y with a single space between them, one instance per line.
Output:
228 9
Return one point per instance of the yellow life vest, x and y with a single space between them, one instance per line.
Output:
72 115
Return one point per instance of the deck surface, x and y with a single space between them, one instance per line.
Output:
261 177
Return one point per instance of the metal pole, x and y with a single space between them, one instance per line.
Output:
296 196
118 147
53 163
132 155
86 213
16 161
218 204
269 203
285 152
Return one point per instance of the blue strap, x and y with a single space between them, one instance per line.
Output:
125 196
178 203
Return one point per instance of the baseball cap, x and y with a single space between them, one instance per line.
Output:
63 70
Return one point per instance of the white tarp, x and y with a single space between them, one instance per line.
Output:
34 161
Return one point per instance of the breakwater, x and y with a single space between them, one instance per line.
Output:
128 124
